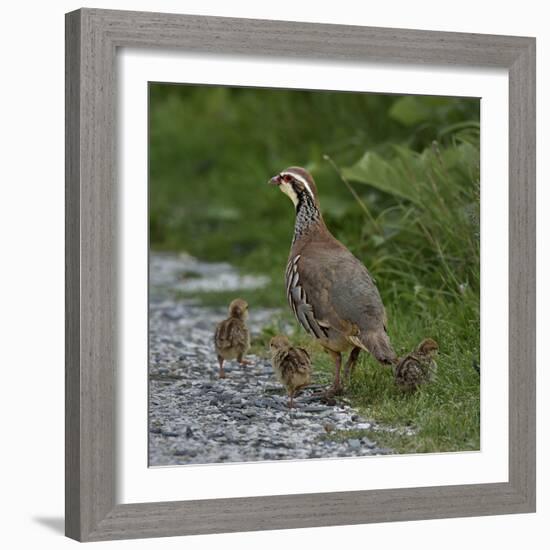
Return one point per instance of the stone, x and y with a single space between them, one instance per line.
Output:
329 427
314 408
363 426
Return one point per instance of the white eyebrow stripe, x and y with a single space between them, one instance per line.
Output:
300 179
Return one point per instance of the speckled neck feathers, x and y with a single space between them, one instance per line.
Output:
308 216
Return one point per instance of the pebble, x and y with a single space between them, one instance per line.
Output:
366 441
314 409
363 426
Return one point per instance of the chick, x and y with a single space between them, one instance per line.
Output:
232 337
292 366
418 367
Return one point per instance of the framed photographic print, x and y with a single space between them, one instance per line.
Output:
300 275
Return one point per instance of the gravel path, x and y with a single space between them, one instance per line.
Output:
194 417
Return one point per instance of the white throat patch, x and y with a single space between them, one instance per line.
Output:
289 191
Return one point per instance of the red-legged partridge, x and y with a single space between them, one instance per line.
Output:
417 368
232 337
330 291
292 366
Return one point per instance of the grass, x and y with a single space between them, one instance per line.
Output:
398 179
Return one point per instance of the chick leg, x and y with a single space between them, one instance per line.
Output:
351 362
222 371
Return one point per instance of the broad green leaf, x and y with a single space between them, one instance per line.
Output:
409 111
388 177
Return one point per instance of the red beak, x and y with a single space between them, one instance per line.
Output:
275 180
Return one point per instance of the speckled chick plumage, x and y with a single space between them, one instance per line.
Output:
232 337
292 365
417 368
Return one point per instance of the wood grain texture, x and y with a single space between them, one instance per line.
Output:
311 510
72 277
92 37
522 274
91 335
253 37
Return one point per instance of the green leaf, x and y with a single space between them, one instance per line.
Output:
472 125
388 177
408 111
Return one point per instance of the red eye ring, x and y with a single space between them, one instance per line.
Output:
287 178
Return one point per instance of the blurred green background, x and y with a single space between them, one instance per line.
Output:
398 180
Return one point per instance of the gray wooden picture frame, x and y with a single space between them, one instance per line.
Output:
92 39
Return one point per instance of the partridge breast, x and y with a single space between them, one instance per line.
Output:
332 294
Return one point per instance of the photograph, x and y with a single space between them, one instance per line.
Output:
314 274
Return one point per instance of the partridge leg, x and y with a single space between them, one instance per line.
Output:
351 362
291 400
336 384
220 361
